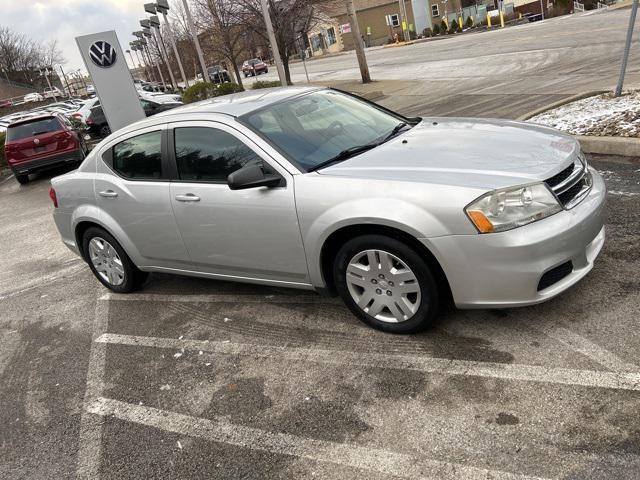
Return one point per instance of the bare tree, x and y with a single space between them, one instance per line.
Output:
292 21
226 32
21 57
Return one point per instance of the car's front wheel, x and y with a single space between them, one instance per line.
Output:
110 263
386 284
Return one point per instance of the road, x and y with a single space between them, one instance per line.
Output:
192 378
502 73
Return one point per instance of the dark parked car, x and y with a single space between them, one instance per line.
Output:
254 67
97 122
218 74
42 142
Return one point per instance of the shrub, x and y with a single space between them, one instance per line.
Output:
265 84
443 26
453 28
469 22
3 160
436 29
204 90
427 32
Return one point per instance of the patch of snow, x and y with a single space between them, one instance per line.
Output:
601 115
177 355
165 387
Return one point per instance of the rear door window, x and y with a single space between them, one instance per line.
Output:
37 127
139 158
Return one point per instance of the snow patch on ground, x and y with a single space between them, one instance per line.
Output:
602 115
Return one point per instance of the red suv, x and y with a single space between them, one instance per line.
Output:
38 143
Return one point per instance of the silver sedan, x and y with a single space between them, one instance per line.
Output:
314 188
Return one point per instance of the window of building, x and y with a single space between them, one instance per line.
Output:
395 20
139 158
209 154
434 10
331 36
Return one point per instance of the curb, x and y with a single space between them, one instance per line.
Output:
622 146
559 103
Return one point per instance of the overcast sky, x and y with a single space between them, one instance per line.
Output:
66 19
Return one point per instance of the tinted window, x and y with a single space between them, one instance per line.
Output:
139 158
26 130
208 154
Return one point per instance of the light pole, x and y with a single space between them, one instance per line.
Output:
162 6
196 42
357 41
146 31
45 72
627 47
273 42
155 23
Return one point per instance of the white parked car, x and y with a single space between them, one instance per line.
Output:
91 90
33 97
53 92
159 97
85 109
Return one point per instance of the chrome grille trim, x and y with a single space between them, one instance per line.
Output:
579 180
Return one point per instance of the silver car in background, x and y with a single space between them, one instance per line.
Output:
314 188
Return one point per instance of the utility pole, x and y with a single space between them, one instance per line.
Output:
357 41
627 47
542 9
65 80
273 42
194 35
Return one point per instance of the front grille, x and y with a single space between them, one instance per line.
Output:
555 275
572 184
558 178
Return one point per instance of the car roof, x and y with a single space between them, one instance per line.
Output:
238 104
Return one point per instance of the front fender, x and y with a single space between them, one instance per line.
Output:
395 213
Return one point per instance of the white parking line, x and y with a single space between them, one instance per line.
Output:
218 298
351 455
90 443
6 180
586 347
30 285
527 373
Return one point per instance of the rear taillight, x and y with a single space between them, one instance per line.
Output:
54 199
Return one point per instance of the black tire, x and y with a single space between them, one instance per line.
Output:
428 308
105 131
266 70
133 277
23 179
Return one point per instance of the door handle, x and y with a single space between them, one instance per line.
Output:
189 197
108 194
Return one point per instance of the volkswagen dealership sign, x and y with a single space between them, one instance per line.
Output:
111 78
103 54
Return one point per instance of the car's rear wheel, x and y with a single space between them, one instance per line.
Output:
22 179
386 284
110 263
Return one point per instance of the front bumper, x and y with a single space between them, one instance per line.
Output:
501 270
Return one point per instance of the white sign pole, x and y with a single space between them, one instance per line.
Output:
107 66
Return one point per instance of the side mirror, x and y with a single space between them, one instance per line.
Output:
252 176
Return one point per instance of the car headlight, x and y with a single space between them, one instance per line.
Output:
509 208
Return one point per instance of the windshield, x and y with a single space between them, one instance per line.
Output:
315 128
25 130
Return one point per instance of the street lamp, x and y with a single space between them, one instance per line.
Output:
45 72
155 23
162 6
146 32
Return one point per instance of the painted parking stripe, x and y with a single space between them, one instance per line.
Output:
586 347
527 373
351 455
222 298
90 444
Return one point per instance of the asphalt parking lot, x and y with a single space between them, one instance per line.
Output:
203 379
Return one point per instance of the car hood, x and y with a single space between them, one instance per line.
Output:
475 153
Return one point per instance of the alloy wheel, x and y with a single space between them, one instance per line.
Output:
106 261
383 286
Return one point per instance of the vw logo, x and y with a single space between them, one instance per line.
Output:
36 141
102 54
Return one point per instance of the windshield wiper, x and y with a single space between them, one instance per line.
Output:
394 132
344 155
